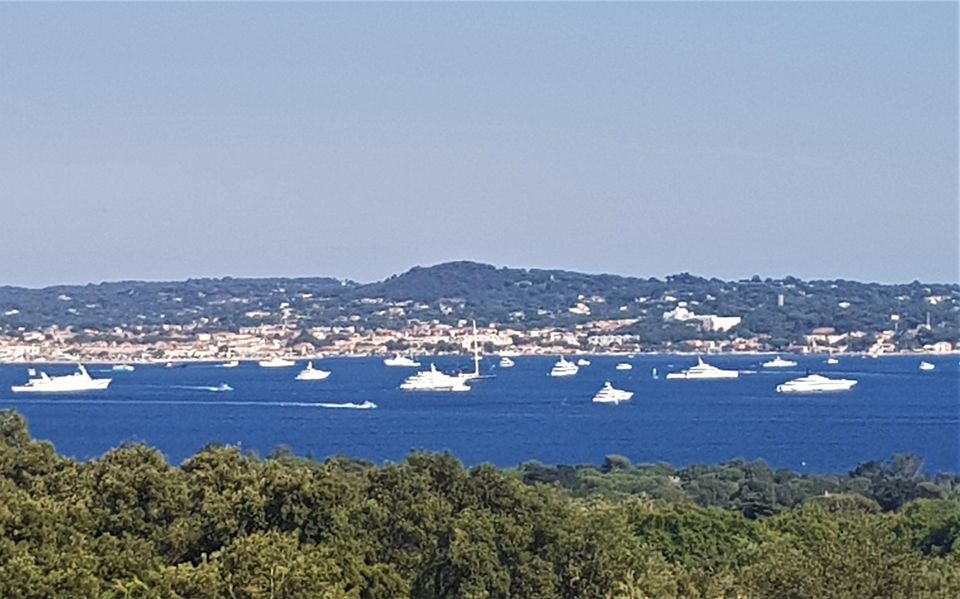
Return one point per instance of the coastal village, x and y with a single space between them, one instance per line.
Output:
194 342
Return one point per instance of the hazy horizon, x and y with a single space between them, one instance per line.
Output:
168 141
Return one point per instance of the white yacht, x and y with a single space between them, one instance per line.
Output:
401 361
276 362
926 366
703 371
434 380
70 383
312 374
815 383
779 362
506 362
608 394
564 368
230 364
122 368
583 362
832 361
624 366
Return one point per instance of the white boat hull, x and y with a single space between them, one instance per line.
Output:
92 385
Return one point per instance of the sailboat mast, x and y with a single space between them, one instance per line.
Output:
476 351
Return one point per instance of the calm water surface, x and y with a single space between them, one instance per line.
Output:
520 415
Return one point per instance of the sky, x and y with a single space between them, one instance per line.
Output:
167 141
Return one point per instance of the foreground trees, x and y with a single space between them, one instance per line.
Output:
225 524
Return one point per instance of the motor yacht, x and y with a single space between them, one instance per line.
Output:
401 361
815 383
506 362
276 362
564 368
312 374
122 368
779 362
434 380
230 364
624 366
927 366
704 371
70 383
608 394
583 362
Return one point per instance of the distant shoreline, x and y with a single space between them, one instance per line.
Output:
198 361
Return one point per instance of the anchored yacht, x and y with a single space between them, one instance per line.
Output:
506 362
122 368
624 366
401 361
312 374
276 362
564 368
70 383
779 362
832 361
927 366
583 362
230 364
608 394
815 383
703 371
434 380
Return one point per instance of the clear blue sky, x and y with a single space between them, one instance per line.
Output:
164 141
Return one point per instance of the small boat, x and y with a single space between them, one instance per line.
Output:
506 362
312 374
583 362
70 383
779 362
221 387
230 364
926 366
655 374
401 361
832 361
122 368
815 383
434 380
174 365
367 405
564 368
276 362
608 394
703 371
624 366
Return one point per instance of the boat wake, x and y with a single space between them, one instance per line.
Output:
222 387
367 405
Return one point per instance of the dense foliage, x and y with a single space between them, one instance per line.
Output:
225 524
519 298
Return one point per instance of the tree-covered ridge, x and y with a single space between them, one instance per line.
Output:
226 524
519 298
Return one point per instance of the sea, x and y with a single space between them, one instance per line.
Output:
517 415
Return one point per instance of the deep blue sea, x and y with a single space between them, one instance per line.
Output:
520 415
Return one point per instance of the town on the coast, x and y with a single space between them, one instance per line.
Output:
430 310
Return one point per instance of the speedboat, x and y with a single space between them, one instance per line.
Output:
312 374
402 361
779 362
122 368
583 362
624 366
221 388
703 371
506 362
815 383
230 364
276 362
564 368
434 380
608 394
832 361
926 366
70 383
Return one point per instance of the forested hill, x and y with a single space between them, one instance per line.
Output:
520 298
